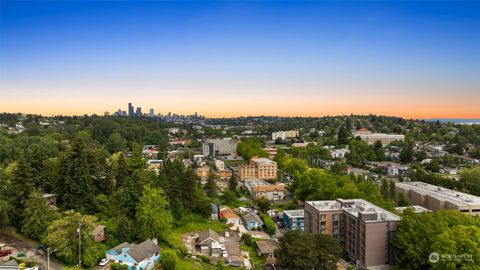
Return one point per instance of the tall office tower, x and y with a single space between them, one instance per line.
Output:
130 110
138 112
152 112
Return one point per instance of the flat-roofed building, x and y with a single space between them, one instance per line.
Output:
259 188
294 219
258 168
436 198
370 137
415 208
362 229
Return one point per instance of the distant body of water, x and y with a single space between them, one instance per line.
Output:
474 121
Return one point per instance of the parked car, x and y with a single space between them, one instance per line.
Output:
227 234
5 252
103 262
32 268
224 254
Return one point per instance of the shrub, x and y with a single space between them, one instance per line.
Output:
270 227
204 259
168 260
123 267
247 239
115 266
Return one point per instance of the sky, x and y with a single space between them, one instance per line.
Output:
415 59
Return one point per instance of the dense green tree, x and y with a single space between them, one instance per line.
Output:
115 143
37 216
125 229
249 148
168 260
232 183
77 189
418 235
270 226
471 175
303 251
263 204
121 173
136 161
342 136
406 155
153 214
62 235
211 186
22 182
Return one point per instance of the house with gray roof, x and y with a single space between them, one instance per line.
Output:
252 221
136 256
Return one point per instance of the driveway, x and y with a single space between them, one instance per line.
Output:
19 243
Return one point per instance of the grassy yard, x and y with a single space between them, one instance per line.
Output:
235 162
256 260
174 239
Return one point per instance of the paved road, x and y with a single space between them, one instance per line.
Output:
29 247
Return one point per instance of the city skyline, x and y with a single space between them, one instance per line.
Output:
226 59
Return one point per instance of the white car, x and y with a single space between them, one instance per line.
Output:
227 234
32 268
104 262
224 254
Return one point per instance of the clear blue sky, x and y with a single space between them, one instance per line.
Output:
411 58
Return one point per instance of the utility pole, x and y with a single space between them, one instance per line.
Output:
79 245
48 257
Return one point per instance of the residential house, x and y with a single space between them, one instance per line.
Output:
98 233
266 249
137 257
294 219
208 242
252 221
230 216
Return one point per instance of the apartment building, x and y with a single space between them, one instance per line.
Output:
220 147
294 219
362 229
370 137
258 168
436 198
285 134
259 188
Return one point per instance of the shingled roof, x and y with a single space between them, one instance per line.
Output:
144 250
204 235
118 249
267 246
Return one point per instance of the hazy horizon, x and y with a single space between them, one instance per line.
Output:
225 59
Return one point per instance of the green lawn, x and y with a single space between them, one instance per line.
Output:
256 260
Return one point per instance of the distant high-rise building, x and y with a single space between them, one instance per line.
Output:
138 112
130 110
152 112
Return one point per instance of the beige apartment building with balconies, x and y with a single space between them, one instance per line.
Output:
258 168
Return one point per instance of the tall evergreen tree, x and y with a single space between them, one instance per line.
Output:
153 214
77 190
342 136
121 170
232 183
22 182
37 216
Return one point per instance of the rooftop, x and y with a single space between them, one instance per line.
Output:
262 160
356 207
415 208
295 213
453 196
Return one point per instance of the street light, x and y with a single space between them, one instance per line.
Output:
79 245
48 257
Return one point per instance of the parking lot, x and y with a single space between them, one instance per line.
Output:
20 245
